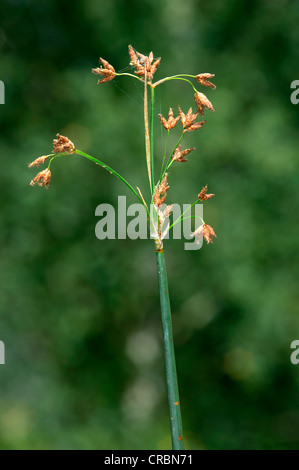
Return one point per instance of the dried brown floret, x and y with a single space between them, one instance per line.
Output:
198 234
161 192
167 211
63 144
143 64
203 196
187 119
194 126
172 121
208 233
179 155
107 72
203 79
43 178
204 230
202 102
38 161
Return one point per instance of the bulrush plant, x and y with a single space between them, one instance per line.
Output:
156 209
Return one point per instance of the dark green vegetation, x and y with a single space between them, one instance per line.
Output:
80 317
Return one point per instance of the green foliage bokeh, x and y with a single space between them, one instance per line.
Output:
80 317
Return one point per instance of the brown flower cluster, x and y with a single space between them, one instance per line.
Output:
188 121
38 161
204 79
63 144
179 155
144 65
202 102
206 231
161 192
171 122
43 178
106 71
203 196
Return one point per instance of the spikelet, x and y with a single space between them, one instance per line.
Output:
107 72
43 178
203 79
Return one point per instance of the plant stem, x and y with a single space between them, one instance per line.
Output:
171 375
152 135
174 77
113 172
164 156
147 137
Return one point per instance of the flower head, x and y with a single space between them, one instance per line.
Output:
187 119
43 178
161 192
172 121
202 102
107 72
203 79
179 155
203 196
204 230
143 64
38 161
63 144
208 233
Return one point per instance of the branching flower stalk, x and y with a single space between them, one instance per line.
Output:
157 214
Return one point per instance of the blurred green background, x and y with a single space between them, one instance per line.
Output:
80 317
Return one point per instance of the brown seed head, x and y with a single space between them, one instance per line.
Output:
179 155
167 211
203 79
187 119
203 196
107 72
194 126
143 64
63 144
161 192
208 233
204 230
43 178
202 102
198 234
38 161
172 121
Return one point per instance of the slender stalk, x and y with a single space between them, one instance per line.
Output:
164 156
174 77
180 218
152 135
169 161
113 172
129 75
171 374
147 137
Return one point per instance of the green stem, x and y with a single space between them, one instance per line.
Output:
148 151
111 171
164 156
174 77
152 135
170 160
129 75
181 216
171 374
